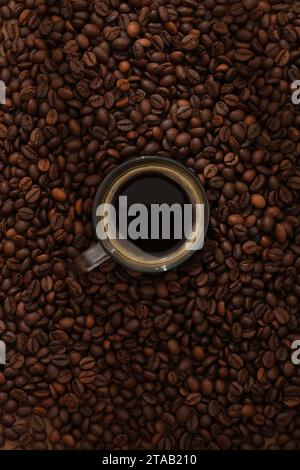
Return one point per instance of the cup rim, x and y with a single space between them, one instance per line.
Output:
113 174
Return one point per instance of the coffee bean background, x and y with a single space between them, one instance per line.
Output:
198 357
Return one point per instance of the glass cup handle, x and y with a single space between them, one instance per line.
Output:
91 258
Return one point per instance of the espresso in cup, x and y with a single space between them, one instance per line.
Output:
150 189
150 214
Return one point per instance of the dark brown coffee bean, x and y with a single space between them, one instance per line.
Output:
17 361
89 59
281 315
125 125
87 377
33 195
87 363
268 359
157 101
235 361
190 42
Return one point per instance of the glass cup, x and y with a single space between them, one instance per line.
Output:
125 251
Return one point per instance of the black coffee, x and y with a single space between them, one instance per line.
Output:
154 189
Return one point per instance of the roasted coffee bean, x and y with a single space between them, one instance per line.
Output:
33 195
281 315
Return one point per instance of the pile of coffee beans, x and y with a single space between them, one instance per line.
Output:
198 357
